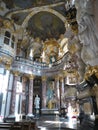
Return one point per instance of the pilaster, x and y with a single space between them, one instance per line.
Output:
30 105
57 91
44 92
13 98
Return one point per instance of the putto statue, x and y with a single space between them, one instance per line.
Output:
88 35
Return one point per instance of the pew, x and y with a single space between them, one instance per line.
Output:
5 126
24 125
16 126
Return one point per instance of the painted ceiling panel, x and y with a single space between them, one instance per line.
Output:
45 25
19 17
29 3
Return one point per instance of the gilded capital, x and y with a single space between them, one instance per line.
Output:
16 73
57 78
7 66
65 73
94 90
31 76
73 48
24 79
44 78
91 70
61 79
7 24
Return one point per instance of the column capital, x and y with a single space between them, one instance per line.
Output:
7 66
31 76
24 79
16 73
57 77
65 73
44 78
62 79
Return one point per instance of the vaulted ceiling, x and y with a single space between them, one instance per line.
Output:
37 21
45 23
29 3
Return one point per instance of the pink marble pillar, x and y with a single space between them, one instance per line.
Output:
24 80
13 98
57 92
43 92
30 107
62 92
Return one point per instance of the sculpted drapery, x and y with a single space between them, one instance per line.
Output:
87 29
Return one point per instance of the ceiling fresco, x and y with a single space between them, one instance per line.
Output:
29 3
45 25
39 21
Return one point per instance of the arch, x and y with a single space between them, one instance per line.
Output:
41 10
7 37
7 34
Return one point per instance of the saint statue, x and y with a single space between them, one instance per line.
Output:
87 30
37 102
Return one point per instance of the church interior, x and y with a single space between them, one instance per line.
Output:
48 64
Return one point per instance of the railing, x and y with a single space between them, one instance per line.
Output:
7 48
40 64
28 66
31 63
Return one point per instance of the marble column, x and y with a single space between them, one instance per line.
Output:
95 104
57 92
43 92
24 81
62 92
30 105
13 98
4 93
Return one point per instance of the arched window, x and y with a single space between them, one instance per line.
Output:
7 37
12 42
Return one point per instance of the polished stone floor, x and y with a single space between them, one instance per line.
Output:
48 122
54 122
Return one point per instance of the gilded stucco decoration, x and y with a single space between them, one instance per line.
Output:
90 70
51 49
71 19
6 24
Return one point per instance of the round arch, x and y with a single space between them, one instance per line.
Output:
41 10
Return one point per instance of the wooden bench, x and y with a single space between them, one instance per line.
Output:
30 125
24 125
16 126
33 126
5 126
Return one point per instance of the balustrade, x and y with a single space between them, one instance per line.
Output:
38 68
